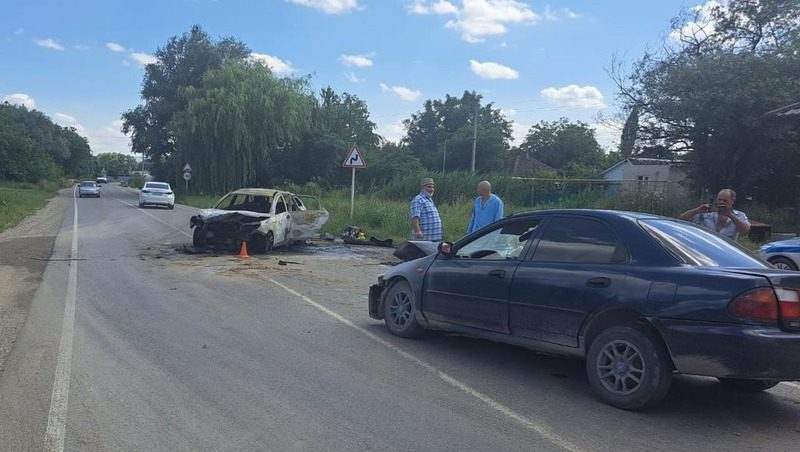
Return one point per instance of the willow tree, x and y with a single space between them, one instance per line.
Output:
235 122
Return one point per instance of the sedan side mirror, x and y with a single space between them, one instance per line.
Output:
446 248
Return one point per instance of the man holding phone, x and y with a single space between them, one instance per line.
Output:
720 216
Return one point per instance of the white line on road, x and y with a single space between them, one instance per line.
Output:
153 217
542 430
57 418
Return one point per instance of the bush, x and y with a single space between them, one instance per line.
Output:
136 181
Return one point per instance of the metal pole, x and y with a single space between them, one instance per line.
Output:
444 155
352 194
474 136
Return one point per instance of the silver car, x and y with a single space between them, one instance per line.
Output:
783 254
157 194
88 188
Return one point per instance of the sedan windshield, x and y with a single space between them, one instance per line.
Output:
698 246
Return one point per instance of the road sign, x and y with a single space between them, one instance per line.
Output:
187 176
187 168
354 159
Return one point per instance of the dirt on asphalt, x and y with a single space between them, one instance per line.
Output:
24 250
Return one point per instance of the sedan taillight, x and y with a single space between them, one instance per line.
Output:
766 304
168 193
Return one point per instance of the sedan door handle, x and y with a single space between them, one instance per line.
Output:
598 282
498 274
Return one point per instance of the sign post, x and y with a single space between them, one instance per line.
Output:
354 160
187 176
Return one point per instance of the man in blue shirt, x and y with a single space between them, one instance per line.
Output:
425 221
488 208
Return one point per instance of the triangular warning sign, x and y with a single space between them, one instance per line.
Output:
354 159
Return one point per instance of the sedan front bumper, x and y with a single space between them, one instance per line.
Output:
733 351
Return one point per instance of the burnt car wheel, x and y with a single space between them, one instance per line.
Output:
261 243
629 368
199 237
744 385
398 311
783 263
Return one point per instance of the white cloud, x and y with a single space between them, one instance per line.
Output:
353 77
143 58
479 19
20 99
570 14
19 31
63 118
114 47
275 64
508 111
49 44
356 60
394 131
328 6
407 94
575 96
492 71
702 27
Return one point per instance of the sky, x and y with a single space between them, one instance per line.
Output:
82 62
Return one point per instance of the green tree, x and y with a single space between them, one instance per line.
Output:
567 146
704 100
115 164
236 123
182 63
452 120
627 142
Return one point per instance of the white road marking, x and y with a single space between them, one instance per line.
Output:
153 217
541 429
57 417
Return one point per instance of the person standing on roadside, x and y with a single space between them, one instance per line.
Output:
487 208
425 221
720 216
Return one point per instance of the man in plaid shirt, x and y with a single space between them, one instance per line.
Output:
425 221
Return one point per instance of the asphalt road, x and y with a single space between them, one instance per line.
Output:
129 346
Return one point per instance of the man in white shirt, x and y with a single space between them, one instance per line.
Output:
720 217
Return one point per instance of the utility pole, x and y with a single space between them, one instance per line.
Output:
475 135
444 155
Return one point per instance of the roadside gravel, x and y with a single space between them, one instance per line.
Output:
24 250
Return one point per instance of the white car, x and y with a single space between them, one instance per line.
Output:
157 194
264 218
783 254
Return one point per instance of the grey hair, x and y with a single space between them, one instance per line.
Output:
485 183
730 192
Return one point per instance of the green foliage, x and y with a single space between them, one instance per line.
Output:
114 164
452 120
18 200
564 145
33 148
705 100
182 63
136 181
234 124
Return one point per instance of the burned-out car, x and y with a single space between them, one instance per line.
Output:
264 218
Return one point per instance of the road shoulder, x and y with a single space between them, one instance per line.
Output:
24 253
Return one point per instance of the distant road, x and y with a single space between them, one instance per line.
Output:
130 346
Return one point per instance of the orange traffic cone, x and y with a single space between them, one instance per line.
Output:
243 251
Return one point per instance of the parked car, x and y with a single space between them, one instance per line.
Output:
88 188
102 180
157 194
783 254
639 297
264 218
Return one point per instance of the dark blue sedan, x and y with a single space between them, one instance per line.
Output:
639 297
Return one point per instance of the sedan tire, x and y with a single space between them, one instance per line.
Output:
743 385
398 311
783 263
629 367
199 237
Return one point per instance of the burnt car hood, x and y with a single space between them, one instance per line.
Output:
210 216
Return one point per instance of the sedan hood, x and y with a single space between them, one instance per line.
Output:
230 216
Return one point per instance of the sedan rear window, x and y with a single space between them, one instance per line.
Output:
87 184
157 185
695 245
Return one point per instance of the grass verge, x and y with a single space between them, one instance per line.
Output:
19 200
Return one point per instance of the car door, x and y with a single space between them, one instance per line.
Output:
471 286
280 220
579 263
308 217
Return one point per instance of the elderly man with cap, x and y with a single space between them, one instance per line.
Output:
425 221
488 208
